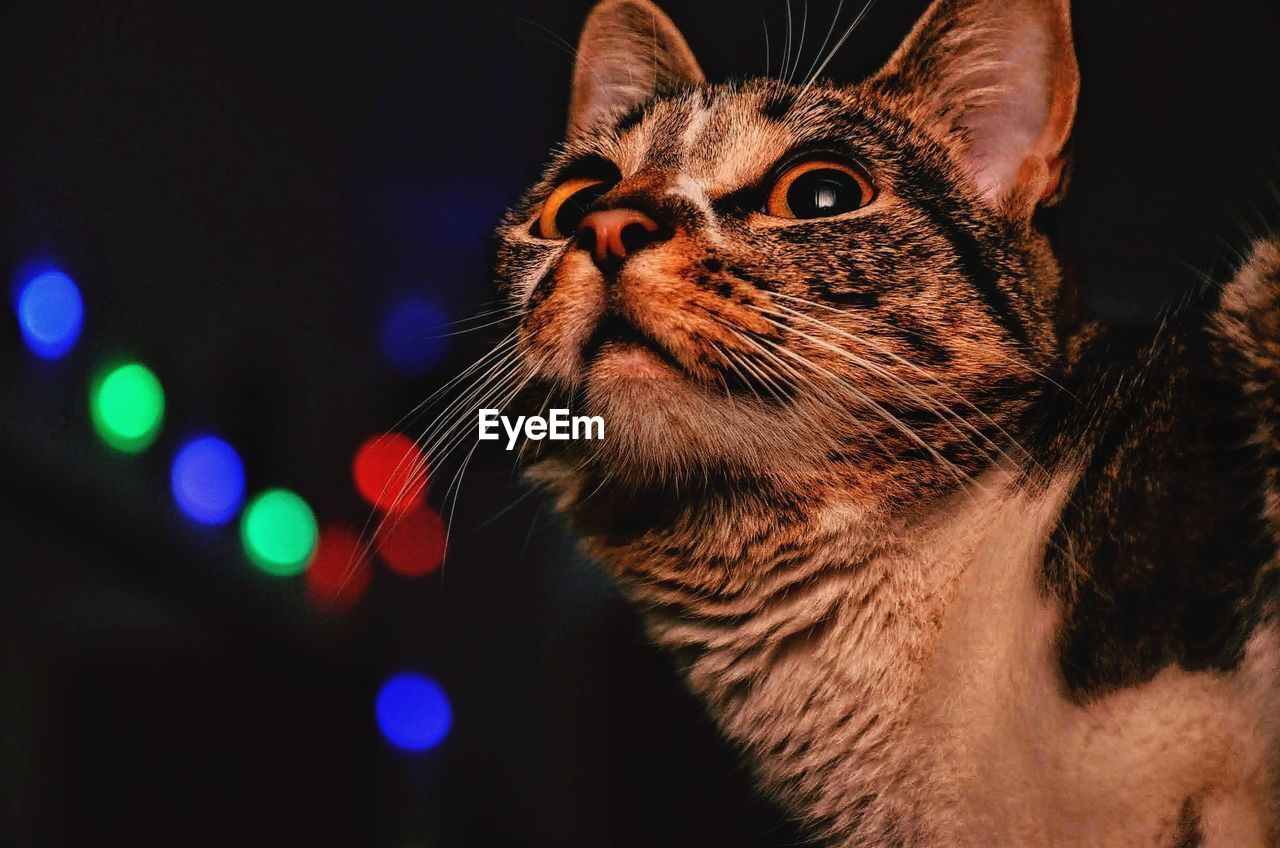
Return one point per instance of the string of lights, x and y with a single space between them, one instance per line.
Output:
278 529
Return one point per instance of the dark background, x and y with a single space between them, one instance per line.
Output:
240 191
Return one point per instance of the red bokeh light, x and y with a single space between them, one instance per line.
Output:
389 473
413 543
335 581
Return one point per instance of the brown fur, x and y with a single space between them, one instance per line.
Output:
833 445
1249 324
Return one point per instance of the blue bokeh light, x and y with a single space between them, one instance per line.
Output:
50 313
207 480
413 712
412 336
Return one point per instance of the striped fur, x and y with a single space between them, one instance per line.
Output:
953 564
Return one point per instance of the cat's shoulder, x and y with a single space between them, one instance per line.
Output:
1248 319
1247 325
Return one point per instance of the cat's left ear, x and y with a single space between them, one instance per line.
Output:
628 52
1002 78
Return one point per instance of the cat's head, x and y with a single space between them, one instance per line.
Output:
804 284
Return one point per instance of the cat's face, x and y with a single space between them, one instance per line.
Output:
803 283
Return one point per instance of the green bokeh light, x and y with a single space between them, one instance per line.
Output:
278 530
127 407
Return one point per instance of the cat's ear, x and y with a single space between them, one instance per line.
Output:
1002 78
629 51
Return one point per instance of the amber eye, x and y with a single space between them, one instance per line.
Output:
568 205
819 188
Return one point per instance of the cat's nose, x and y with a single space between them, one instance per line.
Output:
614 234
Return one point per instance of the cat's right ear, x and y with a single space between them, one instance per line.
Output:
628 52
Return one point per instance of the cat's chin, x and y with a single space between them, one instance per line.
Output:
629 361
660 423
637 388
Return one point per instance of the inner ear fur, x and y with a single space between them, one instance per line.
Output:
999 78
628 52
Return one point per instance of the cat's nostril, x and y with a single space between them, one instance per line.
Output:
635 236
614 234
587 239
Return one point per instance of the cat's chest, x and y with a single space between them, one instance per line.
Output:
838 677
913 696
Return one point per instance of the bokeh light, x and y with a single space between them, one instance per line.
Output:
412 544
50 313
278 530
127 407
207 480
413 712
412 336
335 581
389 472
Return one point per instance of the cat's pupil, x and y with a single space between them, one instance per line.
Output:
824 192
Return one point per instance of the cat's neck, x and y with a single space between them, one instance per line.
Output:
824 663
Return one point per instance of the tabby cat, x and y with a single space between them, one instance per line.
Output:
953 563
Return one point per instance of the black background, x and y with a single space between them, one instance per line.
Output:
240 190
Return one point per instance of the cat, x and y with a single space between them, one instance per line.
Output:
952 562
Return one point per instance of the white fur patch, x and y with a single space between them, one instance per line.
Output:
918 698
691 190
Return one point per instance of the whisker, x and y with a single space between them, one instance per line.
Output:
794 376
745 364
474 398
863 399
456 483
759 344
498 348
503 320
453 508
452 434
835 19
542 409
944 412
940 410
488 307
413 480
804 26
886 325
836 49
885 415
764 23
786 50
1000 430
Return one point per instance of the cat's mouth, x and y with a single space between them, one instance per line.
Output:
620 347
616 335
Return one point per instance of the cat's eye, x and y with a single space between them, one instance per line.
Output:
568 205
819 188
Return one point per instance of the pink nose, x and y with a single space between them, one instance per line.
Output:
614 234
